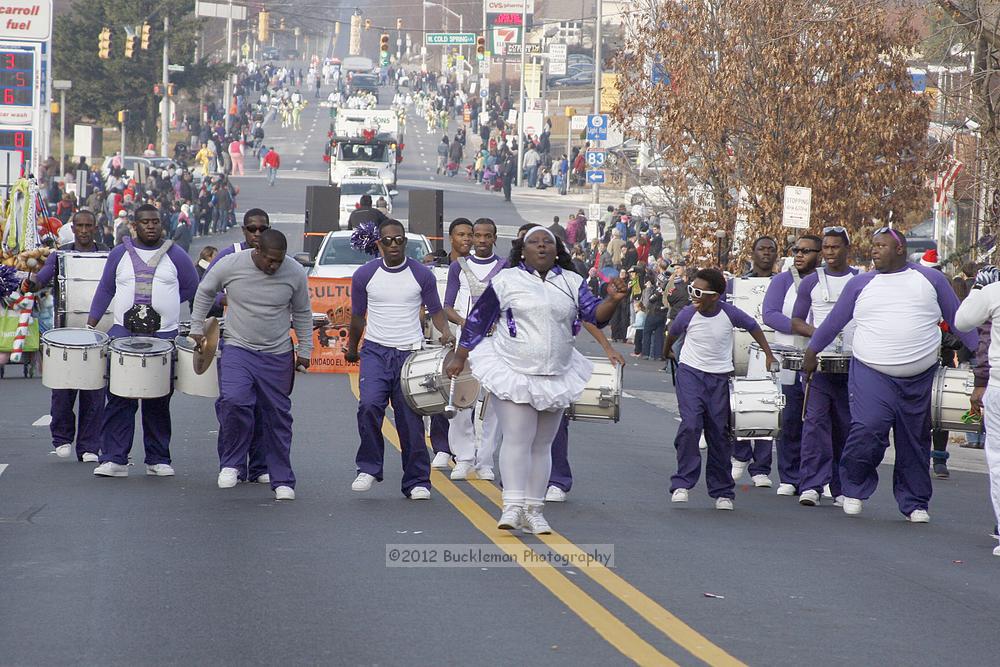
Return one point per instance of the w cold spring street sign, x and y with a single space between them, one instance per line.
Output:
450 38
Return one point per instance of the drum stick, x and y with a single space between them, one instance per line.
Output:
805 397
450 410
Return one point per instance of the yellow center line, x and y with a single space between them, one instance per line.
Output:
606 624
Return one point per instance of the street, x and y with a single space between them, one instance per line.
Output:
148 570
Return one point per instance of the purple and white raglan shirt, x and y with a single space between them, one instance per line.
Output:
390 298
708 339
818 294
776 310
896 317
459 294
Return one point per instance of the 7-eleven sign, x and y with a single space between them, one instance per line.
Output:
503 35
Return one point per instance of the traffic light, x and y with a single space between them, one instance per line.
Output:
383 43
144 37
129 45
480 47
104 43
368 24
123 116
170 89
263 26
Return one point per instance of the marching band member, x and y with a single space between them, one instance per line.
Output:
255 223
468 277
827 416
529 365
778 302
896 310
64 426
460 237
386 296
147 295
980 309
755 453
703 370
264 289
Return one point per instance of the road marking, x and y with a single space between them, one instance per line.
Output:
3 466
44 420
608 626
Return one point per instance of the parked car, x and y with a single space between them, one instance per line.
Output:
578 79
337 259
270 53
128 162
292 54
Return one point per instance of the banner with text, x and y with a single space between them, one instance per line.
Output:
330 297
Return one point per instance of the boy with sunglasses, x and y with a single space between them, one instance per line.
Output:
777 314
896 310
827 414
706 361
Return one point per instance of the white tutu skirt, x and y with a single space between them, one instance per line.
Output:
542 392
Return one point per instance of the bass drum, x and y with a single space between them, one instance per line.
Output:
755 407
748 296
426 386
602 397
950 400
187 381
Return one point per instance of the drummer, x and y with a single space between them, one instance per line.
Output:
265 288
147 279
706 360
827 416
777 309
255 223
64 426
896 309
386 296
755 453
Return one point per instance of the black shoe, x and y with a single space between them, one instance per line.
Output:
941 470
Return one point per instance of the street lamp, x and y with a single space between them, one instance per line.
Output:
427 4
62 85
720 237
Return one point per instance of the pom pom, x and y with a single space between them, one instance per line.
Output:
365 238
8 281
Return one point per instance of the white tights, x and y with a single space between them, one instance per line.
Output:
991 403
526 451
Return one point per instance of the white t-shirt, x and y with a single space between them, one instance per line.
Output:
457 294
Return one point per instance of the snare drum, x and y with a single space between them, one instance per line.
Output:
835 363
78 276
189 382
426 385
756 407
602 397
788 356
950 400
74 359
140 367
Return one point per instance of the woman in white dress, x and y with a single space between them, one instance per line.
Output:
530 365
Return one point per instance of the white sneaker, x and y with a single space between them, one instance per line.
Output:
160 470
486 473
534 522
441 460
996 551
724 504
555 495
228 477
679 496
786 489
363 482
420 493
809 498
838 501
461 470
64 451
89 457
739 467
826 491
761 481
511 518
852 506
919 516
263 479
284 493
110 469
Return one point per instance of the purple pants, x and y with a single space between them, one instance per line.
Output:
703 401
64 422
257 456
561 476
790 442
119 428
380 384
827 423
439 434
252 383
880 402
757 452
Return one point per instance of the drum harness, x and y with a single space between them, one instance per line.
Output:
142 318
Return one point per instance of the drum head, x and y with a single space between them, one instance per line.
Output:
184 343
69 337
141 345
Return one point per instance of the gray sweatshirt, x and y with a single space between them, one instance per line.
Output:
259 305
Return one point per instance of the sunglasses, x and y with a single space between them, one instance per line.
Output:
803 251
253 229
392 240
697 292
839 231
890 231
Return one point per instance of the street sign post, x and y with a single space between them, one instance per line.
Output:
597 127
449 39
797 207
595 176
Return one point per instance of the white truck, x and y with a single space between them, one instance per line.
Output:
365 143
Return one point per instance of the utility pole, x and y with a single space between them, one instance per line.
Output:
596 193
165 112
62 86
522 105
228 89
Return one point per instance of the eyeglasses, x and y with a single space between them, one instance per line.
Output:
392 240
803 251
697 292
253 229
